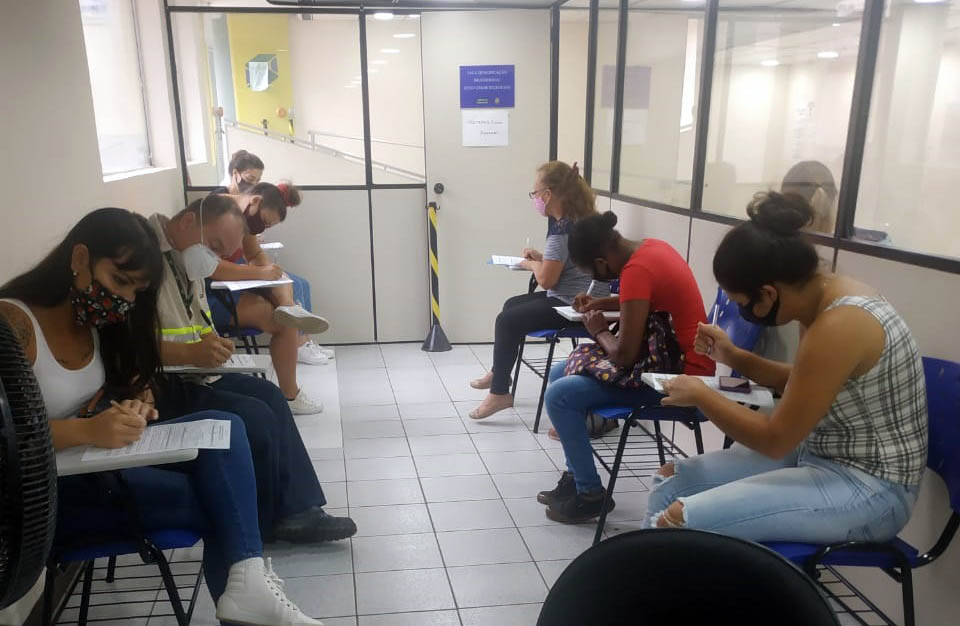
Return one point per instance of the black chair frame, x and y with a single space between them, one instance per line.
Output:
652 413
902 571
116 489
540 367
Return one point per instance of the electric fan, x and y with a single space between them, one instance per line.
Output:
28 474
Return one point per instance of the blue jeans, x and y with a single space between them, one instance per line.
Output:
803 497
214 495
568 399
301 291
286 481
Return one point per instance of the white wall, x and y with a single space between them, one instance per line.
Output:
485 209
50 156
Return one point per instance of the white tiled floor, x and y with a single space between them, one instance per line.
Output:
450 533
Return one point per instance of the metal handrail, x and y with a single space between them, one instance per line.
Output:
316 147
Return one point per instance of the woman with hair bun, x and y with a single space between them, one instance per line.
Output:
654 278
841 456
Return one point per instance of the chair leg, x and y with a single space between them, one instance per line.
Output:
906 585
196 592
612 483
659 438
170 584
111 569
698 436
85 594
727 442
51 578
543 386
516 369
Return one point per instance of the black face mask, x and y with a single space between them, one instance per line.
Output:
770 319
605 275
243 186
255 223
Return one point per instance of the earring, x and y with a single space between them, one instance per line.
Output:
74 274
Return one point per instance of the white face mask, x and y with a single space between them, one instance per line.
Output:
199 261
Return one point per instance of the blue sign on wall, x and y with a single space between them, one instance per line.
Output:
486 86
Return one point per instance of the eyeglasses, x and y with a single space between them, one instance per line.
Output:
536 192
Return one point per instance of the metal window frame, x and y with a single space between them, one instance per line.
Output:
842 238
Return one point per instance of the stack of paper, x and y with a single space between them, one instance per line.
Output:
513 262
758 396
574 316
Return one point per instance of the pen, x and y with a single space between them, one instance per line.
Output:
593 284
714 314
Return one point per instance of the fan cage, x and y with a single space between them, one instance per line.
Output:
28 488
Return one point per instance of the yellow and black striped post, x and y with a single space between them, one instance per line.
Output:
436 340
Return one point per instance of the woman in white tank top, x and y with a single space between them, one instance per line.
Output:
841 456
86 318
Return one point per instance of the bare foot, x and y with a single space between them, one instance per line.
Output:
552 433
483 382
493 403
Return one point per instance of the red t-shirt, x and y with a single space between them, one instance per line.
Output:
656 272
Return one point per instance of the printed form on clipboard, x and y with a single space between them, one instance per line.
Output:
758 396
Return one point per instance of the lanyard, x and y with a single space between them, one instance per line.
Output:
187 300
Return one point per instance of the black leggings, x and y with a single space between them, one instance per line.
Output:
520 315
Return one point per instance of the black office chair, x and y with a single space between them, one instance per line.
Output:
683 577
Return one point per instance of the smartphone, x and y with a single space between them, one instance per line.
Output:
735 385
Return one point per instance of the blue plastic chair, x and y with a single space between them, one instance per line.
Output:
897 558
149 545
742 333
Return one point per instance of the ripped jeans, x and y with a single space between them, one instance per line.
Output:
802 497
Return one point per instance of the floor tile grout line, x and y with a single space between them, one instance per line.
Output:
500 493
346 495
433 526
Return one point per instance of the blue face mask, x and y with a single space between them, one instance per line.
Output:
770 319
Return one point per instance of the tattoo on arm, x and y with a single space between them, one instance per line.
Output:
20 324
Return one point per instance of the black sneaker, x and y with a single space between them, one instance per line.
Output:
314 526
583 507
565 488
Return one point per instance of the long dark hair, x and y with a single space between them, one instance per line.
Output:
131 350
769 248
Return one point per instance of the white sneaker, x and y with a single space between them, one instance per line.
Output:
300 318
254 597
304 404
327 352
311 354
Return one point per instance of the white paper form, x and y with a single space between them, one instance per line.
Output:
204 434
509 261
243 285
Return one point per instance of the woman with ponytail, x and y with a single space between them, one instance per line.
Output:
562 196
274 310
841 456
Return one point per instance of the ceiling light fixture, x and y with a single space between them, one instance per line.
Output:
389 51
828 54
404 35
383 16
770 63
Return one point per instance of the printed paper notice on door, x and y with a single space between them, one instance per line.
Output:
485 127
